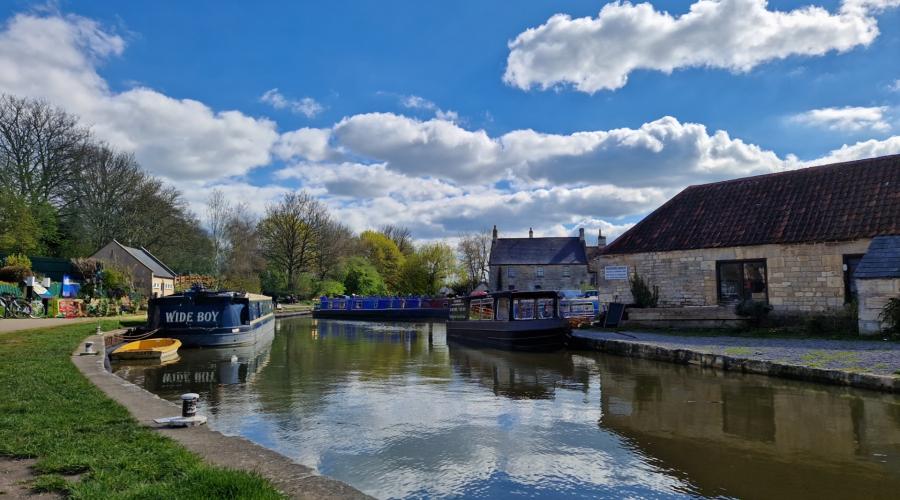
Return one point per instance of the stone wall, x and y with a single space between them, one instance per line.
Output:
801 278
873 295
526 277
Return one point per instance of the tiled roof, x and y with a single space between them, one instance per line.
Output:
842 201
882 260
535 251
147 259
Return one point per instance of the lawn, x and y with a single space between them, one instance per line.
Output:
86 445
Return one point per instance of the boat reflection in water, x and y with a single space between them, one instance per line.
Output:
201 370
519 375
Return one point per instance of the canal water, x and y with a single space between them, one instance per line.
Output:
397 412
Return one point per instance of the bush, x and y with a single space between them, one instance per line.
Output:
116 281
890 316
20 260
14 274
330 288
642 293
755 310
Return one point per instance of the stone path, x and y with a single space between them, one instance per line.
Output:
864 356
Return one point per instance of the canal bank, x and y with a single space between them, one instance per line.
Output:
863 364
230 452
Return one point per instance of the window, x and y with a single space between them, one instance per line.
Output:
539 272
851 262
567 272
545 308
523 309
502 309
481 309
510 272
458 310
742 280
156 285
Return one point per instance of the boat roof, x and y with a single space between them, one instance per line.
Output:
520 294
225 294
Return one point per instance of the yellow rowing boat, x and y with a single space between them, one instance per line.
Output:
153 349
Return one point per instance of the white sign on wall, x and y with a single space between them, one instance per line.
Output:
615 273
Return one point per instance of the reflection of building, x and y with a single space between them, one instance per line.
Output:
748 437
151 276
518 374
792 239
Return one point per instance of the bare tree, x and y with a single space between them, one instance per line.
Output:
335 243
218 214
401 236
474 251
41 147
289 233
243 261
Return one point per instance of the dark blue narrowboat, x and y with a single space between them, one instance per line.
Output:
383 308
204 318
521 321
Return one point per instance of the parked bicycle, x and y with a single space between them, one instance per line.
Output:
18 307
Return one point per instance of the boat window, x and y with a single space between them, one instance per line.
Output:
482 309
523 308
458 310
503 309
545 308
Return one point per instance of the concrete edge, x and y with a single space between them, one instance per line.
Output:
637 349
292 314
232 452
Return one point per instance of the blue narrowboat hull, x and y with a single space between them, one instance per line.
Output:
222 336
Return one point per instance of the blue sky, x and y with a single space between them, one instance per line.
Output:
449 116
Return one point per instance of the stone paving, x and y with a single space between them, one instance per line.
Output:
866 356
15 324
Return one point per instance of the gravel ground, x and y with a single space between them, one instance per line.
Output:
871 356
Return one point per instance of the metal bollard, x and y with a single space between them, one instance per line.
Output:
89 348
189 404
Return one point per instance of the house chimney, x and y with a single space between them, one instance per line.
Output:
601 240
495 232
581 234
530 233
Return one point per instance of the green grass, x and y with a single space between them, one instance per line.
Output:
822 359
86 445
739 351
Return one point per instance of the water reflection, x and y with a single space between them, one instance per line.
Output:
397 412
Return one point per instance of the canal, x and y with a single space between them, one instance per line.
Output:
395 411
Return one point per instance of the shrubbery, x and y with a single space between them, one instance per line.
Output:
756 311
641 290
15 268
890 316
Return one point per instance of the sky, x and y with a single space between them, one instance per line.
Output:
449 117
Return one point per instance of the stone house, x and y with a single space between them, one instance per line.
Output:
558 263
151 277
877 280
791 239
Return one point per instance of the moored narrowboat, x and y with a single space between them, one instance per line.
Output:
204 318
526 321
383 308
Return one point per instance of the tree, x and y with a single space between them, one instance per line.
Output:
401 237
474 251
335 243
218 213
383 253
244 261
41 148
19 230
428 269
289 233
361 278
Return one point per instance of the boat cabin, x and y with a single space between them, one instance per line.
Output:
208 309
506 306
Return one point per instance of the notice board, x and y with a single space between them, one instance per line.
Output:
614 314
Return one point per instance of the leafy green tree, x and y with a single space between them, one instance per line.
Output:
19 230
383 253
361 278
330 288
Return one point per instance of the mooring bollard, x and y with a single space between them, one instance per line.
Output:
88 347
189 404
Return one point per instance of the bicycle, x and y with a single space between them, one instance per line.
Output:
17 307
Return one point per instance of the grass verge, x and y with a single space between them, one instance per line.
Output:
87 445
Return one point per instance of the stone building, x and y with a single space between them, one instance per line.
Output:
558 263
877 281
151 277
791 239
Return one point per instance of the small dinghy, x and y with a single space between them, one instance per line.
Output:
150 349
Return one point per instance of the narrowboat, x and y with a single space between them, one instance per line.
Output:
382 308
204 318
522 321
579 311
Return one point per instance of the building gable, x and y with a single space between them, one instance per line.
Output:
538 251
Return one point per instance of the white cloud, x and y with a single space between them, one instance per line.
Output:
306 106
863 149
599 53
895 87
307 143
846 119
416 102
56 57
